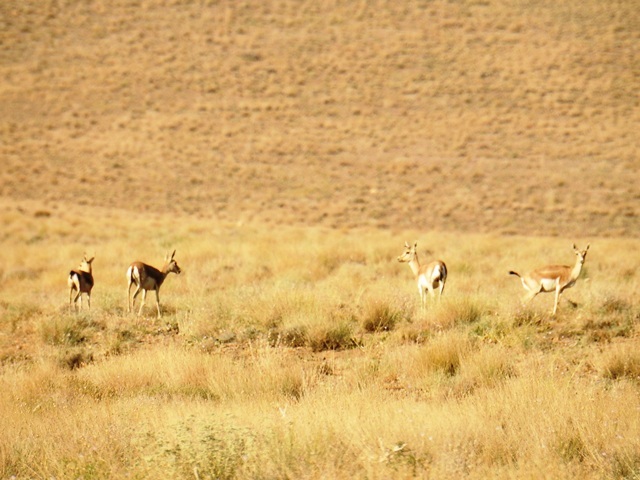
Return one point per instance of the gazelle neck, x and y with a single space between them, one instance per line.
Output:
163 274
575 272
415 264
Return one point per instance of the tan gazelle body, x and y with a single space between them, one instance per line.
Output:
430 277
80 281
145 277
553 278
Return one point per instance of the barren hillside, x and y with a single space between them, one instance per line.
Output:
505 116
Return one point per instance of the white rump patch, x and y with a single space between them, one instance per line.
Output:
548 284
437 272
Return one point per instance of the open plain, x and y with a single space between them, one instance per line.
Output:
287 150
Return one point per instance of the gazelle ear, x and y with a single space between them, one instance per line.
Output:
588 245
415 244
406 244
574 247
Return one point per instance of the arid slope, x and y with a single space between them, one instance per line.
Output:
490 116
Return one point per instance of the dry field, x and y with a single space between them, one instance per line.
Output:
301 353
287 149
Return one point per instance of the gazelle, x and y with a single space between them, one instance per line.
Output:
146 277
553 278
80 281
430 277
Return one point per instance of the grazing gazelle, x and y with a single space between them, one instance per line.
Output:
430 277
146 277
553 278
80 281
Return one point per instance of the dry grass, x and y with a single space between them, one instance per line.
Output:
289 356
287 150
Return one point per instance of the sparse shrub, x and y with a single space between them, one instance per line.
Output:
491 330
379 316
527 316
76 358
415 333
445 353
294 336
292 385
487 367
66 330
621 362
123 341
337 337
603 329
611 304
461 312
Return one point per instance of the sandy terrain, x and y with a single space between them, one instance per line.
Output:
490 116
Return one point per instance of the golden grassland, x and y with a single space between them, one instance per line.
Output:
287 149
301 353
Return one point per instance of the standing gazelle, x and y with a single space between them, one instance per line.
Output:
430 277
146 277
553 278
80 281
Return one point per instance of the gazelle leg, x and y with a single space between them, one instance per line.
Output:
129 298
530 296
144 297
432 295
555 305
70 298
75 300
158 301
133 300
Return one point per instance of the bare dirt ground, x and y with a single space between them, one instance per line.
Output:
490 116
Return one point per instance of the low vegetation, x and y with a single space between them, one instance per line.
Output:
262 366
287 150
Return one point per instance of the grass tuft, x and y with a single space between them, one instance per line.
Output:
463 311
526 316
621 362
69 330
293 336
613 304
379 316
337 337
76 358
444 354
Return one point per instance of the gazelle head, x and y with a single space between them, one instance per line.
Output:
171 266
85 264
581 254
409 253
